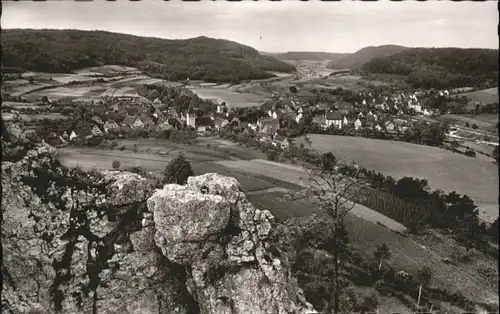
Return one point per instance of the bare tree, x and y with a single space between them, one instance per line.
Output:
382 253
335 195
424 276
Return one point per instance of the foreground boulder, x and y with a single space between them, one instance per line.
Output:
211 228
76 242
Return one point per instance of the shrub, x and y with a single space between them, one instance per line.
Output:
116 164
470 153
271 155
178 171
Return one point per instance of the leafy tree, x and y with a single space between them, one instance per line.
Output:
413 188
328 161
178 171
467 124
454 144
470 234
470 153
116 164
293 89
382 253
474 126
424 277
369 304
271 155
334 194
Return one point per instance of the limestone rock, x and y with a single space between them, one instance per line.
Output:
210 226
62 253
87 243
185 218
126 187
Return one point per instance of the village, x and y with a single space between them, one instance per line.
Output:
389 114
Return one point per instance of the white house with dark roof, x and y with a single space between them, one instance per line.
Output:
268 127
72 135
389 126
298 118
220 123
281 141
96 131
191 119
272 114
138 123
358 124
334 118
110 125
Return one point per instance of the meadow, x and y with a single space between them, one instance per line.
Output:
485 121
443 169
486 96
297 176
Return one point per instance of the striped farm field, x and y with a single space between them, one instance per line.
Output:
123 91
298 176
20 90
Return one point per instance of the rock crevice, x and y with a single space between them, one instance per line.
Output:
75 242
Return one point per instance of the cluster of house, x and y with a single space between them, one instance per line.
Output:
372 112
153 115
398 102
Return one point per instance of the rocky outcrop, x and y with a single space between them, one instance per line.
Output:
73 243
211 228
81 243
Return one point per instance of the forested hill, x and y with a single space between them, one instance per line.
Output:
309 55
197 58
362 56
441 67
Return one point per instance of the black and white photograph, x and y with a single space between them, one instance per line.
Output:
249 157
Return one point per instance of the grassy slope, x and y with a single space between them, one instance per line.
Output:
362 56
443 169
196 58
408 253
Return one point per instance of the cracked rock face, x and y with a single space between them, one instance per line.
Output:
54 264
209 226
80 243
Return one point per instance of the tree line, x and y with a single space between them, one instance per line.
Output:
441 67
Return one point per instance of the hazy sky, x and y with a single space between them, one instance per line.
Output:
344 26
